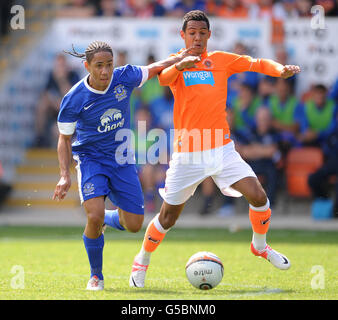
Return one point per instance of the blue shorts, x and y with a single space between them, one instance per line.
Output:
120 183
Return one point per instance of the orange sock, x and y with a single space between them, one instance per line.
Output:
153 237
260 220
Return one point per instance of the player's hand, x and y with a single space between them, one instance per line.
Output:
62 188
188 52
289 70
187 63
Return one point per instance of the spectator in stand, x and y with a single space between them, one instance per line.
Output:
60 81
161 109
304 8
183 6
287 114
151 176
319 118
282 56
319 181
146 8
262 153
109 8
151 90
159 9
266 88
263 9
121 58
244 107
285 9
168 4
77 9
227 9
234 82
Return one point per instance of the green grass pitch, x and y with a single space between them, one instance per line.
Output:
45 263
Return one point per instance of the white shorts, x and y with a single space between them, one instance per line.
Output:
188 169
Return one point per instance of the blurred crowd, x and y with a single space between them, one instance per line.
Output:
266 117
276 9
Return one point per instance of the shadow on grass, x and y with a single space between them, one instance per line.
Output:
148 291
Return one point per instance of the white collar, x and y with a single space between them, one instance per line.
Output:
94 90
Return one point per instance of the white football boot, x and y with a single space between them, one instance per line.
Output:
95 284
274 257
138 275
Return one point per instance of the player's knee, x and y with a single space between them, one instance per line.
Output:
134 228
95 219
131 222
259 199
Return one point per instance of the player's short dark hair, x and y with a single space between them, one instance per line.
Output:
94 47
195 15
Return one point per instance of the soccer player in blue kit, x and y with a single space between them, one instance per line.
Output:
96 108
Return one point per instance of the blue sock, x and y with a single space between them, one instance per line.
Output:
111 218
94 249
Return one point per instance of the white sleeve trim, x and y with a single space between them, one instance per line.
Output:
253 61
145 74
67 128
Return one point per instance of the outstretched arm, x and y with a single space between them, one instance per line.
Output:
242 63
156 67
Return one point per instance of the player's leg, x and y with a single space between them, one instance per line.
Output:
182 179
236 178
93 239
260 215
126 193
112 218
131 222
155 233
93 186
259 208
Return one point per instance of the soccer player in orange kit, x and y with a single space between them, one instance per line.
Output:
202 144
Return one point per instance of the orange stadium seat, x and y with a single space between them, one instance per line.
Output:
300 163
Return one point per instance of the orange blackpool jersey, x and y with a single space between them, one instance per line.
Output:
200 97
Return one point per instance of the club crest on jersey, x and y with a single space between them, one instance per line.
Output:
120 92
111 120
207 63
88 188
192 78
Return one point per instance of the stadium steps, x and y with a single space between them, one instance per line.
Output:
36 180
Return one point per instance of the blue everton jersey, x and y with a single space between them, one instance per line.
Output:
97 116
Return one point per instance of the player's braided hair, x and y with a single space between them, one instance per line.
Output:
196 15
94 47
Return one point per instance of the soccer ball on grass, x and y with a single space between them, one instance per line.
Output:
204 270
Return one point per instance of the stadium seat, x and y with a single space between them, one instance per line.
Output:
300 163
